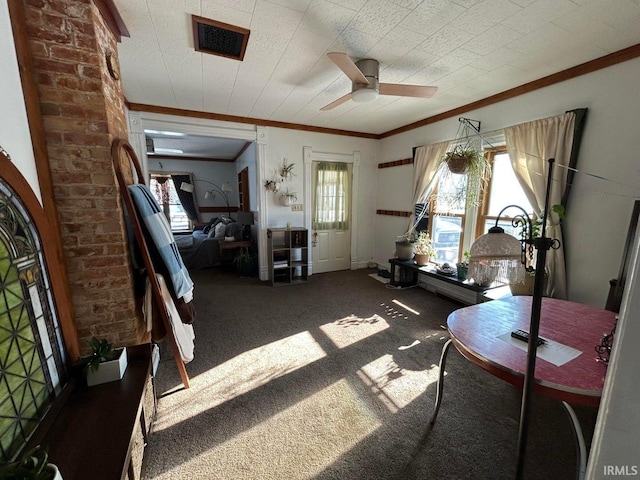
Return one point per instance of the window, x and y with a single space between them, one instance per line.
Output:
503 190
331 210
32 354
164 191
454 227
448 219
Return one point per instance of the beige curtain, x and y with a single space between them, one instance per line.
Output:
530 146
332 197
425 168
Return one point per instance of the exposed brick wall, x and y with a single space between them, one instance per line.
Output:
83 110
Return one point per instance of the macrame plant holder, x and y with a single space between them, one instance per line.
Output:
466 158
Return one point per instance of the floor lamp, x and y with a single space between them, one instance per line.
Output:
499 255
224 191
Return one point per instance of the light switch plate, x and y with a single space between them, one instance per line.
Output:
296 207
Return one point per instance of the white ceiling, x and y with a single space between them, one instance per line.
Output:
469 49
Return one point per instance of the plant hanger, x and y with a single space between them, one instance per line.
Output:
464 168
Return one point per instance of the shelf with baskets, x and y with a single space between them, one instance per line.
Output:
288 255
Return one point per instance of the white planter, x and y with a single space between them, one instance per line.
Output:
286 200
57 475
108 371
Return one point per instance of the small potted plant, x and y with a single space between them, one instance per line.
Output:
526 286
286 171
422 248
272 185
463 266
105 364
244 262
31 465
288 198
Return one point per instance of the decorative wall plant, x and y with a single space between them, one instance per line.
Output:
288 198
286 171
272 185
282 174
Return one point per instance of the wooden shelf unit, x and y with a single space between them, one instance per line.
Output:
288 255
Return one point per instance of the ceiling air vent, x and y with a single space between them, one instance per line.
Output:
219 38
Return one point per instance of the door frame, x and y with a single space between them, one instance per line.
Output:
309 156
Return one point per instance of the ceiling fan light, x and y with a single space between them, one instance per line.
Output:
364 95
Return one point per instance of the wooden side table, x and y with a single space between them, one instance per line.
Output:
233 245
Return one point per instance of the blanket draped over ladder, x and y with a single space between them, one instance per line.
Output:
162 237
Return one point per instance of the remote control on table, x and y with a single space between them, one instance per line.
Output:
524 336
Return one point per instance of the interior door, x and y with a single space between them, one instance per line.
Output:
331 235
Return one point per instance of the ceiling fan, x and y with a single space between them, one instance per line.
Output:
365 86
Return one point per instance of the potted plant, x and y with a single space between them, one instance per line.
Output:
105 364
288 198
286 171
422 248
463 266
526 286
462 159
472 163
272 185
31 465
244 262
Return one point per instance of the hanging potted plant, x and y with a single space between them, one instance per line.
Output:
471 163
288 198
286 171
423 249
464 159
464 169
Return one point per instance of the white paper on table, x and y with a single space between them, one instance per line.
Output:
552 352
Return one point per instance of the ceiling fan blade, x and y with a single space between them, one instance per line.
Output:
337 102
407 90
350 69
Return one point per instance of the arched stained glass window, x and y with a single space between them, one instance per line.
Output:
32 361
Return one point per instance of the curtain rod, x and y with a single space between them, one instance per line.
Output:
482 135
166 172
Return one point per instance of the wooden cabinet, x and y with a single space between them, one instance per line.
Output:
288 255
101 432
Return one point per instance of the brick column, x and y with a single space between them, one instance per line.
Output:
83 111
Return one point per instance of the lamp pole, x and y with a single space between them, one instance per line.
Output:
542 245
221 191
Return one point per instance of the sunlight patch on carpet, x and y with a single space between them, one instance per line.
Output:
377 277
314 432
406 307
394 385
241 374
352 329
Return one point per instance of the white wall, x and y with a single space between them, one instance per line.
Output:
282 143
15 137
599 211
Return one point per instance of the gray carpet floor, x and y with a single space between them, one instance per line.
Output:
336 379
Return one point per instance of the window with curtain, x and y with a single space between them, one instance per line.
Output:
32 354
331 196
503 190
447 228
164 191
